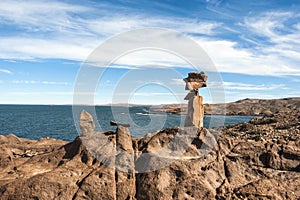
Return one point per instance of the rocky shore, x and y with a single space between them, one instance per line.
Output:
250 107
259 159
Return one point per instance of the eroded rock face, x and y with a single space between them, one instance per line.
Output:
240 169
231 166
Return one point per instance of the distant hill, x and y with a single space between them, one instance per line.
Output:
247 106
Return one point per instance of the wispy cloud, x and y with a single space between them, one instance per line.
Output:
61 31
252 87
32 48
295 80
39 82
118 23
40 93
6 71
40 15
69 31
273 26
228 56
276 36
149 94
52 93
177 81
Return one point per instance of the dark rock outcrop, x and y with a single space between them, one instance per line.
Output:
255 160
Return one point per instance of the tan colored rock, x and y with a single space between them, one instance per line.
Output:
195 109
87 125
123 138
125 172
228 167
195 114
193 85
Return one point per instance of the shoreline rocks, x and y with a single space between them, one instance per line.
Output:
259 159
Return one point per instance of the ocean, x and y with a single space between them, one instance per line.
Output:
39 121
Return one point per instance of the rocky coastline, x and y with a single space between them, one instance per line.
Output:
249 107
259 159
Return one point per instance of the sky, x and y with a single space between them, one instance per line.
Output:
254 45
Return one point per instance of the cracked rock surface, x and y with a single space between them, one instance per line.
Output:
233 165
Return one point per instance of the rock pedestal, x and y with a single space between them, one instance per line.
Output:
195 113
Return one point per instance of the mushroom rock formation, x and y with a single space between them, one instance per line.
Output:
195 114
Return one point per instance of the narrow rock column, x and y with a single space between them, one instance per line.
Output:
87 125
125 173
198 111
195 114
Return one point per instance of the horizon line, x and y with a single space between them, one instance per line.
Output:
133 104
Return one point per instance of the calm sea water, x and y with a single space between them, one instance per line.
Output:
37 121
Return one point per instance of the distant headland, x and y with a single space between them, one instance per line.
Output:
253 107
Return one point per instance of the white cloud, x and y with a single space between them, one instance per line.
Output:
178 81
252 87
279 52
52 93
54 83
229 57
295 80
149 94
60 31
6 71
272 25
152 58
39 82
32 48
64 34
57 16
60 17
39 15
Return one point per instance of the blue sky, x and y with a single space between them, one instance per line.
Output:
255 46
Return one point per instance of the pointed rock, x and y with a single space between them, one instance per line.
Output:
125 174
87 125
